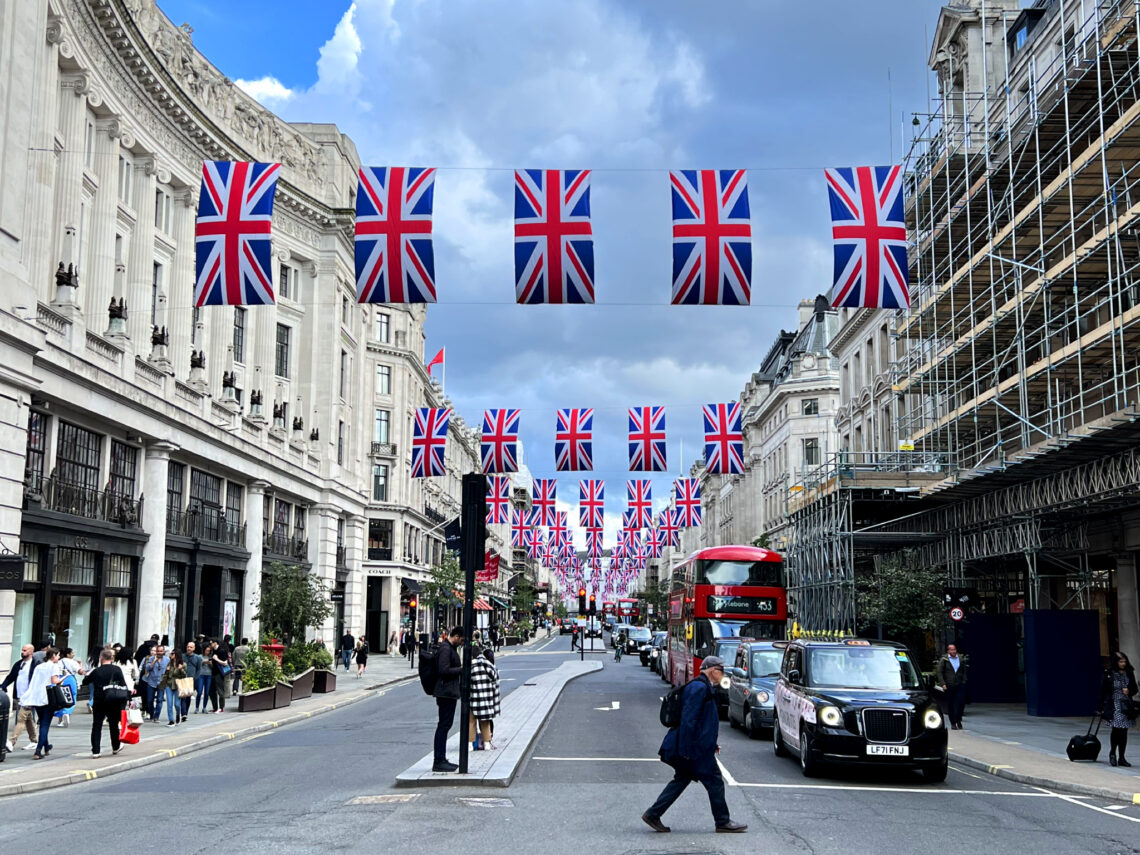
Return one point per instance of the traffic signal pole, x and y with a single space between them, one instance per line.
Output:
473 539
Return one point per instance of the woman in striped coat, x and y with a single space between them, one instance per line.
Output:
485 698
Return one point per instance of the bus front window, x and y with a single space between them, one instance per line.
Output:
740 573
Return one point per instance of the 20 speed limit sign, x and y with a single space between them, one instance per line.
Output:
956 613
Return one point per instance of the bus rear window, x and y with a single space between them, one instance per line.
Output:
740 573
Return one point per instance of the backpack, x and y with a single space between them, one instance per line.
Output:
429 672
673 703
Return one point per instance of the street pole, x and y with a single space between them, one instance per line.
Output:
473 538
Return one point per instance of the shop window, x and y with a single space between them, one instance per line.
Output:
74 567
115 620
69 622
124 463
31 553
78 456
118 572
23 626
37 448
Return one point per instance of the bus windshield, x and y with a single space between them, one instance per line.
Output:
740 573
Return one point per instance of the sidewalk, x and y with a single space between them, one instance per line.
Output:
1003 740
70 761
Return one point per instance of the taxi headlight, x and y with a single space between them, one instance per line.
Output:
761 697
932 719
830 716
654 654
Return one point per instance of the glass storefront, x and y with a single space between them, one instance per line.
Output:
69 623
24 628
115 620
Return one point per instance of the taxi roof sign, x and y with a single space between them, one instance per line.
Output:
858 642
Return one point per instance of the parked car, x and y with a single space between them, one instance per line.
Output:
659 652
646 650
635 637
724 647
751 697
857 701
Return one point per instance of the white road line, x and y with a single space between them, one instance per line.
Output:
728 779
605 759
933 791
1075 800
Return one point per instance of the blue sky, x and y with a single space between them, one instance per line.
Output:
629 89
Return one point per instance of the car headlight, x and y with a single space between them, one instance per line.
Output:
653 654
830 716
932 719
761 697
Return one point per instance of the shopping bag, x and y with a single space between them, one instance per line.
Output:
128 733
185 687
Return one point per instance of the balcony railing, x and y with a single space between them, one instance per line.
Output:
206 524
434 515
383 449
279 543
65 498
379 553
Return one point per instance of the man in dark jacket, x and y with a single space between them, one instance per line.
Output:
104 708
347 645
449 667
951 674
691 750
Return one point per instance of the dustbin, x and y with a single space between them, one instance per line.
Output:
5 710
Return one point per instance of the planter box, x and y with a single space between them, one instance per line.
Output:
512 640
258 700
303 685
324 681
282 695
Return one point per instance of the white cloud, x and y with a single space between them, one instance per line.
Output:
337 70
270 91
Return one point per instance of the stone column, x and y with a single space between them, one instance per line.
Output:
322 557
179 286
42 167
152 569
254 535
102 216
140 258
1128 605
355 588
391 605
69 188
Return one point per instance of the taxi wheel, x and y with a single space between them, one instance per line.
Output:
808 763
936 774
750 726
731 721
778 747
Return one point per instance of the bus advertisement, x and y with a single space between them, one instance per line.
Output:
723 592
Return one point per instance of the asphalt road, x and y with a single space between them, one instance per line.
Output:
326 785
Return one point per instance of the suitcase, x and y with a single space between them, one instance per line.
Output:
1085 747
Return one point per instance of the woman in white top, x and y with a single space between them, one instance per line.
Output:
47 672
128 666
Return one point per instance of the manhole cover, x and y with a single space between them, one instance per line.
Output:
392 798
485 802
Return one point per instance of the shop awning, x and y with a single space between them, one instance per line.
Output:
498 602
412 585
482 605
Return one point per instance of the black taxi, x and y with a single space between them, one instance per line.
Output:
857 701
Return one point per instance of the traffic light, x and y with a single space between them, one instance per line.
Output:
581 601
593 605
412 611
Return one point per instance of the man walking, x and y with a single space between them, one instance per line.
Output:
448 669
951 673
108 699
691 750
347 645
151 670
21 716
192 661
240 653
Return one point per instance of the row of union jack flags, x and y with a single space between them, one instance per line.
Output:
574 440
554 239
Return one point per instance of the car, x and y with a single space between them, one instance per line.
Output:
566 626
593 628
660 650
647 650
616 632
751 694
635 637
857 701
724 647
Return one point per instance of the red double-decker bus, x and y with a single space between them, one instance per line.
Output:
722 592
628 610
609 608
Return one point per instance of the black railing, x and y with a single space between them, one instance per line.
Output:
206 524
82 501
434 515
383 449
379 553
341 555
279 543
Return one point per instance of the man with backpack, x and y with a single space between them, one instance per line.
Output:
448 668
690 747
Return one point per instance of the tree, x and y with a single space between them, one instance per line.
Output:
523 598
762 542
901 596
445 580
656 595
291 601
560 610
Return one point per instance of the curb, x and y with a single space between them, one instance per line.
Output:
162 754
1070 787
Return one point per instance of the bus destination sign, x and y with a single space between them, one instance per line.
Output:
731 605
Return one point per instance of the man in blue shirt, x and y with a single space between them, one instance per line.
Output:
151 671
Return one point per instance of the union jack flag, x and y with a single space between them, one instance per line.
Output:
574 440
712 237
639 501
647 439
429 438
500 441
535 547
594 542
545 490
231 234
591 504
655 541
724 439
395 259
554 245
560 527
688 500
869 233
670 531
519 527
534 518
498 500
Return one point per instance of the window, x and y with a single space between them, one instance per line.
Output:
195 316
340 443
344 374
124 459
89 144
37 448
380 483
78 456
282 510
205 490
383 379
118 573
282 361
811 451
155 287
175 473
299 515
344 310
340 531
811 406
124 179
233 503
383 328
239 334
74 567
381 426
380 540
162 211
284 281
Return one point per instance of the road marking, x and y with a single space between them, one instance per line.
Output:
605 759
391 798
1075 801
886 789
87 774
483 801
728 779
615 705
1117 807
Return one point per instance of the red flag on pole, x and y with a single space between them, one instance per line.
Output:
436 360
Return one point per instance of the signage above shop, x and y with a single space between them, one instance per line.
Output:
11 572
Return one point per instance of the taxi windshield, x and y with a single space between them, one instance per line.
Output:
766 663
881 668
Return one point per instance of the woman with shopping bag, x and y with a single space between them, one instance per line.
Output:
169 688
109 695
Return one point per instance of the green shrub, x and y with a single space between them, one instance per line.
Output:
301 657
261 671
321 657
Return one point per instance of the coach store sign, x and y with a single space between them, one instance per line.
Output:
11 573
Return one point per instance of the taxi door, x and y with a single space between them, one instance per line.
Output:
738 686
789 697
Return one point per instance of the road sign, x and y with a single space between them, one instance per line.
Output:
956 613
